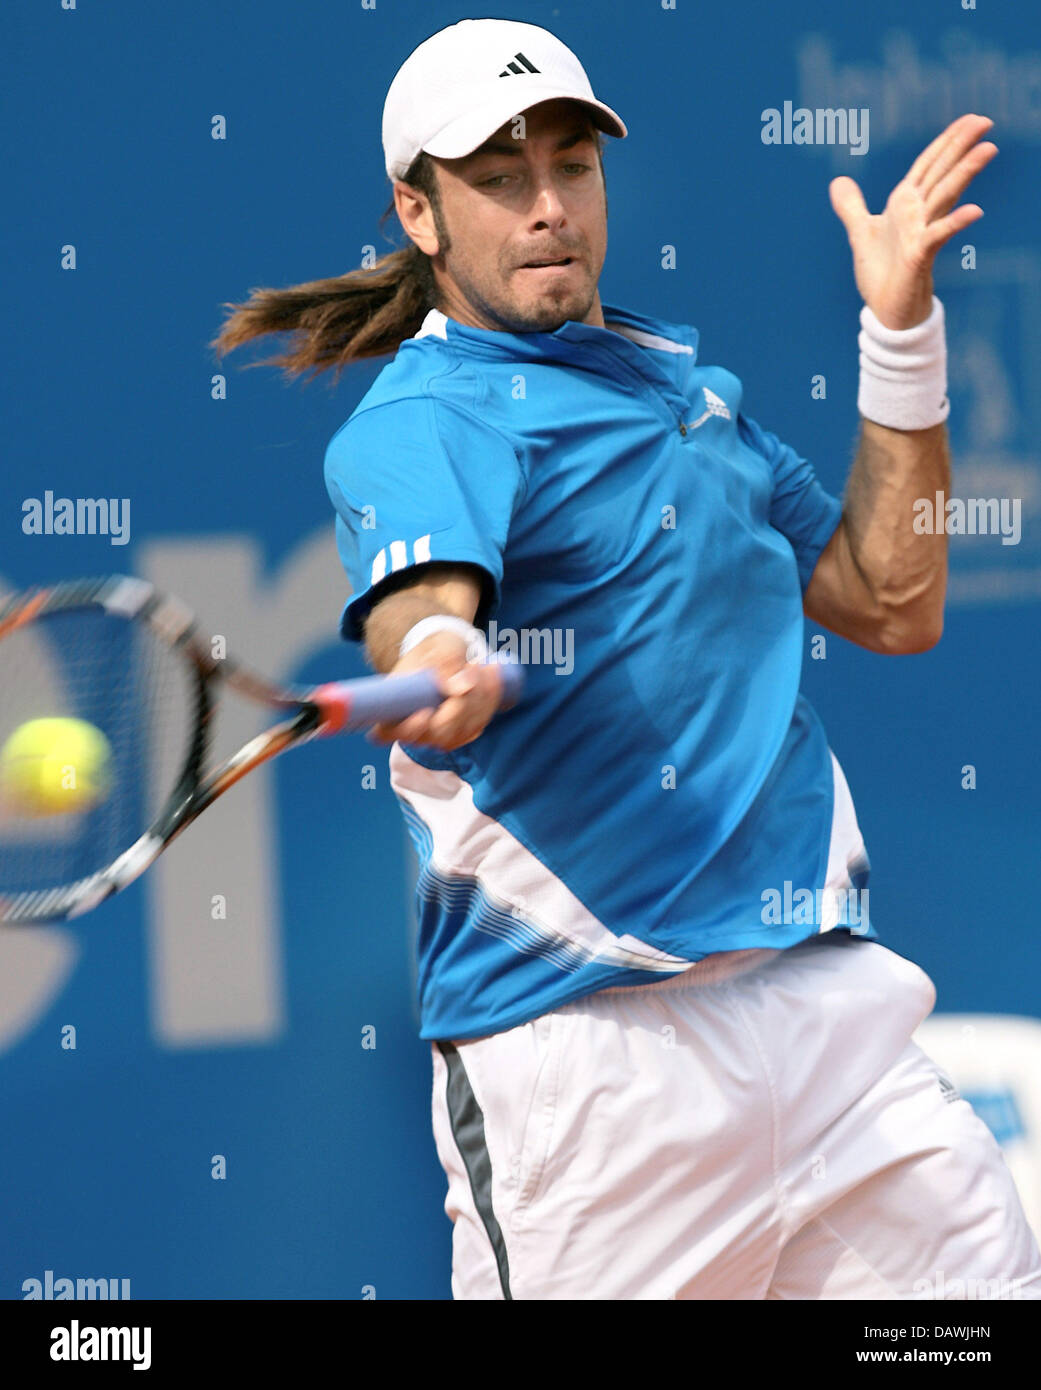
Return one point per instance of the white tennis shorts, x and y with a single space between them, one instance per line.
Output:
758 1127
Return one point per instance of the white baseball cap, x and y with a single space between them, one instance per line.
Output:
459 86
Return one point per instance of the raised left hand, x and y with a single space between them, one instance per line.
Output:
893 251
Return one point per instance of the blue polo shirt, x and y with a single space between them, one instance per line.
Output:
644 548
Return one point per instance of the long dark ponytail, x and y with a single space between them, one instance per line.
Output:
365 313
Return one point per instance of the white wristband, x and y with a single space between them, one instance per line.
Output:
903 372
477 645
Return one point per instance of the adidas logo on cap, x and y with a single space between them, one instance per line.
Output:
511 67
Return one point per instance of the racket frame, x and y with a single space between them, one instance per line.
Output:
137 600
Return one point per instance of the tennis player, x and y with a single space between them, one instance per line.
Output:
657 1073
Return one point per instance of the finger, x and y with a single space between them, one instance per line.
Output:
467 736
932 151
473 728
944 228
456 736
950 162
944 153
949 189
459 718
468 714
460 682
848 202
410 730
483 678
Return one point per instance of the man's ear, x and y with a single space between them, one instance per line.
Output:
416 217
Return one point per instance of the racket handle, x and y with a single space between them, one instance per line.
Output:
353 705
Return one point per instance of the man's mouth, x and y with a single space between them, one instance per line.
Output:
545 263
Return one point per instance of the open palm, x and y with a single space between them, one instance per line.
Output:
893 251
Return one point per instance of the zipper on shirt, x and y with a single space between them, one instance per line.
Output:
645 386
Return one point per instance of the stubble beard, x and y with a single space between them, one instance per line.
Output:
496 303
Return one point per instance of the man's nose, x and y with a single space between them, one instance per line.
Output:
548 207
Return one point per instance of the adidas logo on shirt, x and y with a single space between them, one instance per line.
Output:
518 71
715 405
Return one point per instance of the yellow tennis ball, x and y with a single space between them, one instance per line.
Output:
50 767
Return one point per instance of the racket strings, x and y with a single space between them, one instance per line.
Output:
142 696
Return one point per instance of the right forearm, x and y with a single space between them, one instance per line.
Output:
473 691
442 589
392 618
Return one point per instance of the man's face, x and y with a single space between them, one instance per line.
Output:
527 225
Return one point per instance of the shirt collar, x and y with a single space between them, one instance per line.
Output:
653 334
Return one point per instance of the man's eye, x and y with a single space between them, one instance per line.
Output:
575 168
496 181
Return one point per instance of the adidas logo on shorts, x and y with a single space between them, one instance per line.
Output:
947 1087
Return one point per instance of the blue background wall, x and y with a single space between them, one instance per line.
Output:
198 1037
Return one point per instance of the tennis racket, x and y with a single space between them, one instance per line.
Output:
133 663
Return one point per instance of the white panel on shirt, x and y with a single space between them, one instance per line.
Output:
467 843
846 847
651 340
435 323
